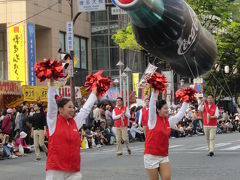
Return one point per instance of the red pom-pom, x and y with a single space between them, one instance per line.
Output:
48 69
186 95
103 83
158 81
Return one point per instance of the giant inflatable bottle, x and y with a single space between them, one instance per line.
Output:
170 29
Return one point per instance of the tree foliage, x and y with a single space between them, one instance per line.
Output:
125 39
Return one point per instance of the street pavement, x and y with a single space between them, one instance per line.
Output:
188 157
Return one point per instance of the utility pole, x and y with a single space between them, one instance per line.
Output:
72 81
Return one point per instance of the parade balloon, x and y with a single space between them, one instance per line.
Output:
170 29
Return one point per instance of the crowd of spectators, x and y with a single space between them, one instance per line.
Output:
16 127
15 131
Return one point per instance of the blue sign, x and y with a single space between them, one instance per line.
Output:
199 88
70 36
91 5
31 54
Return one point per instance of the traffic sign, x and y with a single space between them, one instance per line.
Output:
198 88
198 80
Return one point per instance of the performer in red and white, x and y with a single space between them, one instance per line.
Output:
156 159
63 161
120 116
143 116
210 115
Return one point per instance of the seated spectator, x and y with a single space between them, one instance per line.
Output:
137 132
6 151
109 135
189 129
229 126
99 138
181 131
20 142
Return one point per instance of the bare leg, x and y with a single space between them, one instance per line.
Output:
153 174
165 171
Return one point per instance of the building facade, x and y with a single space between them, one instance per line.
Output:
41 27
105 52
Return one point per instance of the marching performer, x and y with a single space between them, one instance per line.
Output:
120 116
143 117
210 115
157 137
63 161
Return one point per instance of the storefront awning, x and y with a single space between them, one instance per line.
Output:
10 88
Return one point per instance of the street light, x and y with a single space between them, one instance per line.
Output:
120 66
116 81
226 69
124 76
127 70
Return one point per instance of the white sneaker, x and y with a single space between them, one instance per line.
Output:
12 156
98 146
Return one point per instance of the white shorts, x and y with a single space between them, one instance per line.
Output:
62 175
153 162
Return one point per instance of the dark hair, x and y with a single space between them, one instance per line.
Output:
62 102
120 98
160 104
40 106
211 95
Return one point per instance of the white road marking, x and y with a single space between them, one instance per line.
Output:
231 148
174 146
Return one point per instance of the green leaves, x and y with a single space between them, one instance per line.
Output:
125 39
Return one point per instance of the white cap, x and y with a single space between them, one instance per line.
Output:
23 134
9 111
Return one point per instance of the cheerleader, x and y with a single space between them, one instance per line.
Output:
63 161
156 159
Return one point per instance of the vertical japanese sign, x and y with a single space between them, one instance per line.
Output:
135 79
17 54
69 36
31 54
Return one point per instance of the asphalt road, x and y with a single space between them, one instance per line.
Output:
188 157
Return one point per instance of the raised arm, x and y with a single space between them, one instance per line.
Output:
140 118
201 106
173 120
52 109
80 118
152 117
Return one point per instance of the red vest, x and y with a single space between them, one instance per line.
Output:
118 122
157 139
144 116
64 147
211 111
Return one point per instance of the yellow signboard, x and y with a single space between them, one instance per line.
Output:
147 90
135 79
17 54
35 93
